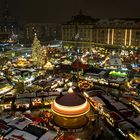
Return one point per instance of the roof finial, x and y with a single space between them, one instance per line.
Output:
70 90
80 12
35 34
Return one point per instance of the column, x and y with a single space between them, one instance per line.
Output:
108 36
130 37
97 33
125 37
112 40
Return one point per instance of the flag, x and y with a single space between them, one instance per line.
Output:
77 36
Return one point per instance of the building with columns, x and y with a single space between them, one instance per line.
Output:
124 32
121 32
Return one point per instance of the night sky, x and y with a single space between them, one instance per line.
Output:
61 10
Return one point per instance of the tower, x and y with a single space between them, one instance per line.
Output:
6 10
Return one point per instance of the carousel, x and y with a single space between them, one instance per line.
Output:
69 111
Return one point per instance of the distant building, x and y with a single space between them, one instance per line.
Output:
78 24
45 32
8 24
117 32
106 31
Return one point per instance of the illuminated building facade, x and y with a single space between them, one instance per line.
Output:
121 32
124 32
70 111
81 24
44 31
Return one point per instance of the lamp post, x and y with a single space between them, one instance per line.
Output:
77 38
77 56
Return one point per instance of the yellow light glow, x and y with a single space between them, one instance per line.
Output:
86 94
71 116
70 110
130 37
108 35
125 37
134 137
112 41
70 90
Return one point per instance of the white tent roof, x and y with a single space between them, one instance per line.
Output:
7 118
102 72
120 79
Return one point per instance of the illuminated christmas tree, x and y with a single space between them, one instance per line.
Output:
42 56
39 53
35 49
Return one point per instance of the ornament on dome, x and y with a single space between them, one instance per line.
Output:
70 90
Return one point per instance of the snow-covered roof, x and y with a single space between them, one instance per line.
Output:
102 72
97 99
23 101
18 134
137 120
118 105
7 118
108 98
20 123
125 125
50 135
5 128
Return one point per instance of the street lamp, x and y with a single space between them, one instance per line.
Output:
77 55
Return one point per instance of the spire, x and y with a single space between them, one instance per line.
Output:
35 35
35 38
6 9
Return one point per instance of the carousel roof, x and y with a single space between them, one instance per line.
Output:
70 99
70 105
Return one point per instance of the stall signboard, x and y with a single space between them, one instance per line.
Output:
115 62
